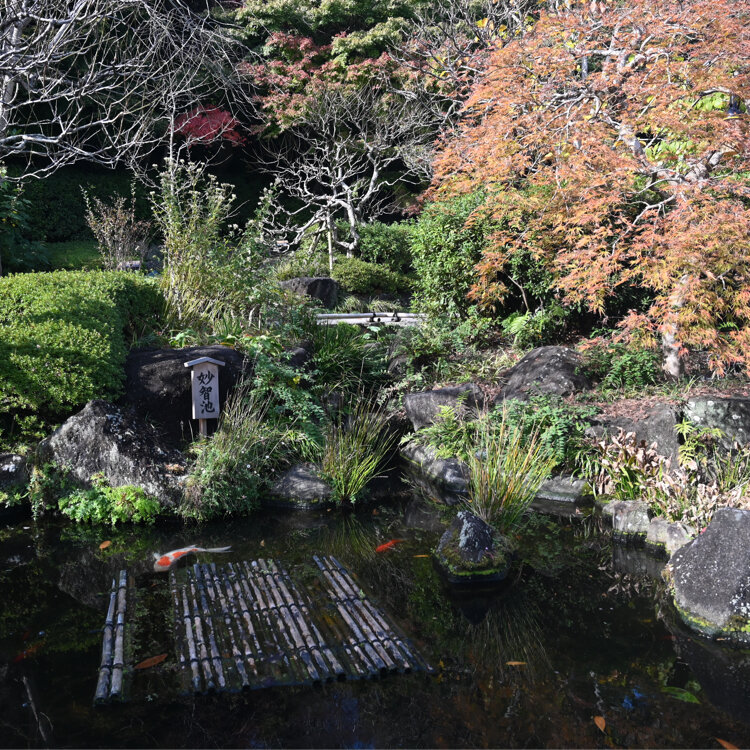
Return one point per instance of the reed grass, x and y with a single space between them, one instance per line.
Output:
506 469
356 446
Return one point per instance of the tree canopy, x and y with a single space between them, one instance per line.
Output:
612 141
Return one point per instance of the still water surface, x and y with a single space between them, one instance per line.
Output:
582 631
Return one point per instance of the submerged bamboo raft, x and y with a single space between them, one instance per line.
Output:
111 670
248 625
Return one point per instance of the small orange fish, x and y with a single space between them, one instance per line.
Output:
164 562
27 652
388 545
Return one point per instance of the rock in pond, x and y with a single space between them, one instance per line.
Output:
322 288
711 577
422 408
108 440
630 519
564 489
157 386
471 552
448 475
300 488
667 535
548 369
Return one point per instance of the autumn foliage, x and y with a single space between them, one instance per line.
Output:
204 125
612 142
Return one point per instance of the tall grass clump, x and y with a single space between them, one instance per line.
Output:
211 268
233 466
506 469
356 446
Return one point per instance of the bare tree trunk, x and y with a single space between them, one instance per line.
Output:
330 243
674 362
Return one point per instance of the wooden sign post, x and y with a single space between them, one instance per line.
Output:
204 377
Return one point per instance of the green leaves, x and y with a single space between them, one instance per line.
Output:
681 694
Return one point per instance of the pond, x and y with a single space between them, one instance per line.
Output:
579 648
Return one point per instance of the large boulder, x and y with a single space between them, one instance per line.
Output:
110 441
630 519
157 386
711 577
422 408
470 551
449 475
300 487
668 535
730 414
322 288
549 369
564 489
653 425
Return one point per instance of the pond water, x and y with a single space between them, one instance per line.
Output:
581 632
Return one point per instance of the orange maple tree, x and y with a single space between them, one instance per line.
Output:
612 141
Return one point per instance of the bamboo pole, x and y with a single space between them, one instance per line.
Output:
105 669
339 668
115 689
199 637
301 645
361 632
189 637
375 628
239 614
209 630
233 579
400 650
210 570
178 640
274 657
330 666
288 652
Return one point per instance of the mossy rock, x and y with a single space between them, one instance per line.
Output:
472 553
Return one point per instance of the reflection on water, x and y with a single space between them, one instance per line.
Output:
573 635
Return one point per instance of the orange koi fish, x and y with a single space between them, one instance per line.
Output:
388 545
164 562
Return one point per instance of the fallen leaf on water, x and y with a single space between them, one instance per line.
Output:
599 721
516 663
151 661
262 542
104 545
727 745
680 694
421 555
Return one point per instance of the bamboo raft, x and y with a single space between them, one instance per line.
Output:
248 625
111 670
371 318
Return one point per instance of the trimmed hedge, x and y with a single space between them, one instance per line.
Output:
63 342
360 277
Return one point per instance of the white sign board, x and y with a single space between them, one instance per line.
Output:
205 381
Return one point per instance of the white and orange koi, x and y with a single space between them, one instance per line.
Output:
164 562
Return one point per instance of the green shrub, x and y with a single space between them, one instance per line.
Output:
110 505
234 465
619 367
63 342
444 251
543 326
560 426
360 277
387 244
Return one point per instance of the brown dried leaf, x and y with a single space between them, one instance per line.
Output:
151 662
104 545
727 745
599 721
